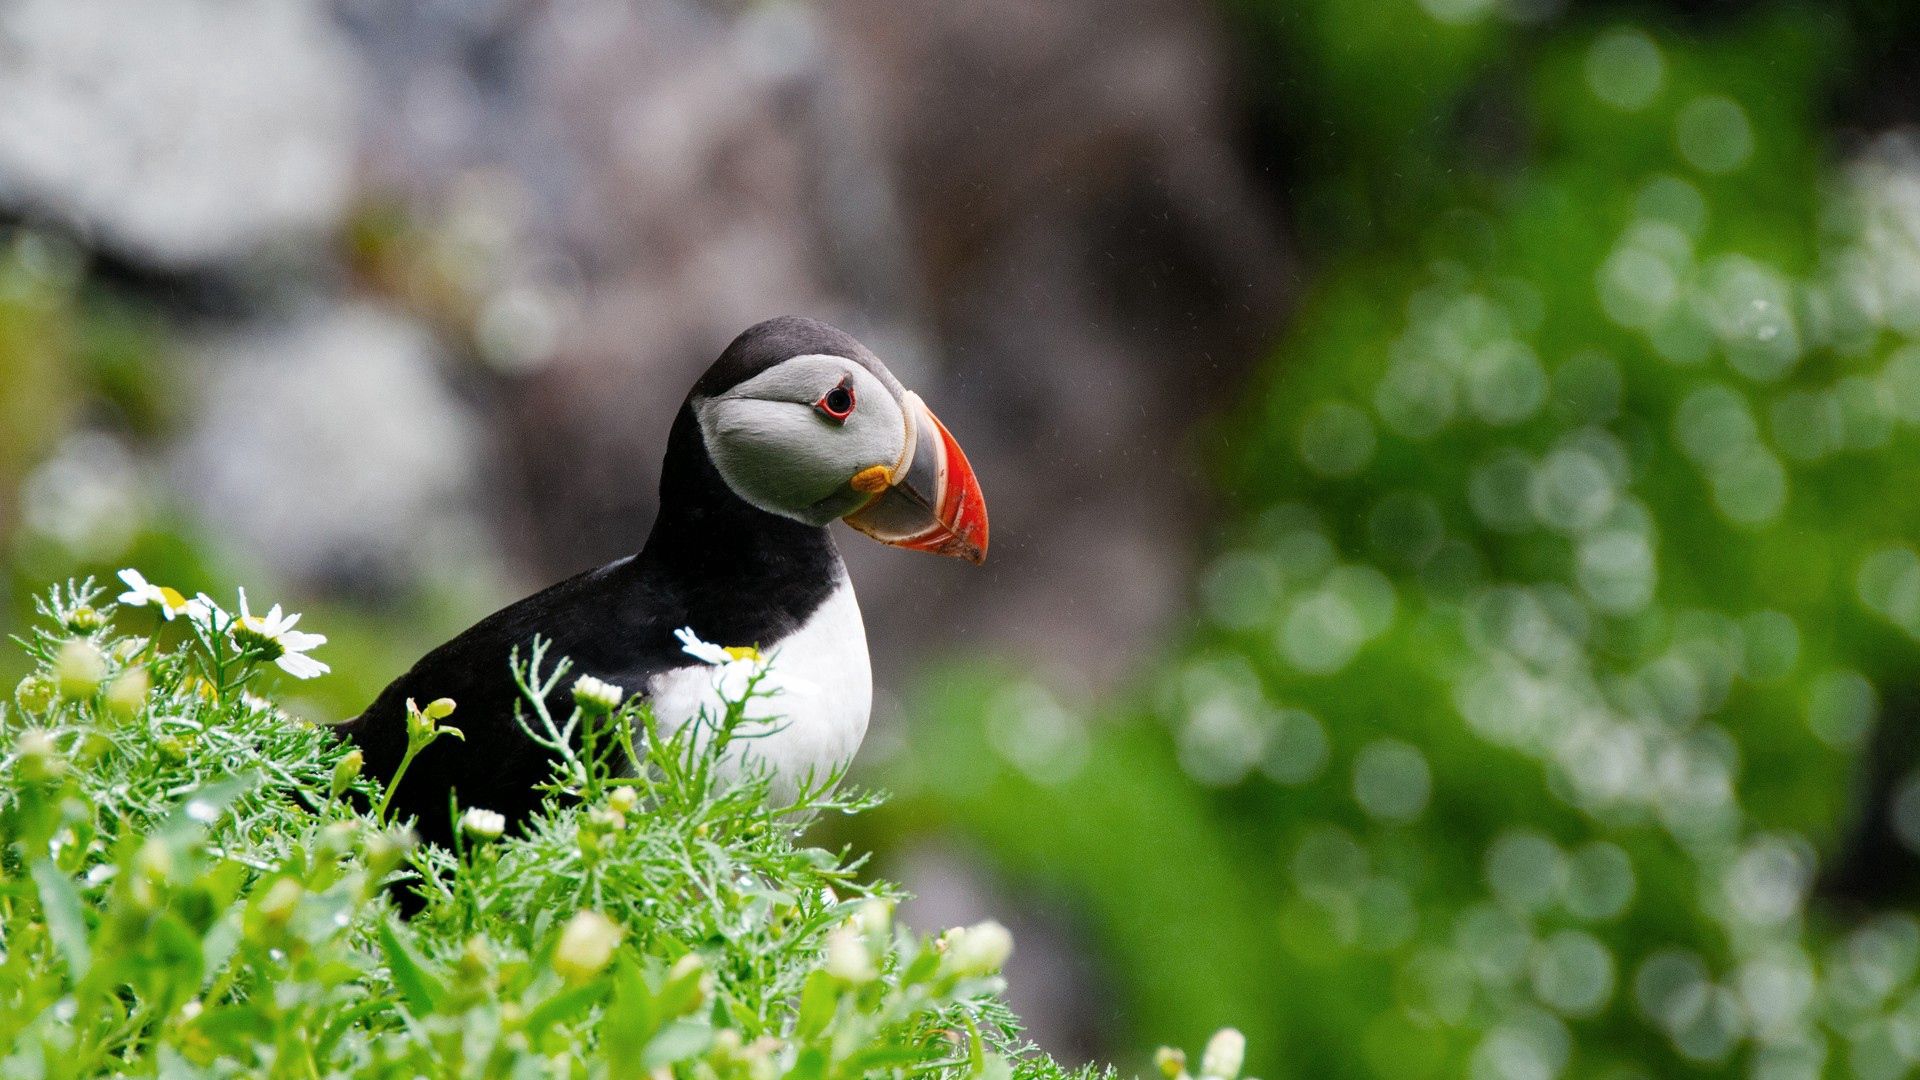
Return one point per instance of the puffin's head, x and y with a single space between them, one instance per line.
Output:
803 421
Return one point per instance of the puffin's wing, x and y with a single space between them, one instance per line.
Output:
496 766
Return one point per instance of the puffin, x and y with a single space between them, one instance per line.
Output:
795 426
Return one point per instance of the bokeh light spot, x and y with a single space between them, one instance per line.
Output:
1336 440
1573 973
1587 387
1525 869
1625 68
1457 12
1572 490
1505 383
1242 589
1321 633
1714 425
1770 645
1714 134
1615 568
1329 865
1296 747
1501 491
1671 199
1415 397
1841 706
1751 308
1406 529
1889 585
1391 780
1600 881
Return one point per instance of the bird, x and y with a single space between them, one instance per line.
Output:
794 426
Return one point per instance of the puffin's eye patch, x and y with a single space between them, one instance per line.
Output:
837 403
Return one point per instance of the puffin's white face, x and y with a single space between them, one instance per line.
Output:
791 439
819 436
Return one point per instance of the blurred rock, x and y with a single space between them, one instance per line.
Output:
329 449
1098 272
1037 216
181 133
90 497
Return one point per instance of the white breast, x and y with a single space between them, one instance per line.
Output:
817 715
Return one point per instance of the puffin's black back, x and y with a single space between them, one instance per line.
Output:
736 574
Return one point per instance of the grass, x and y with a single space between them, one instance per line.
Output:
196 884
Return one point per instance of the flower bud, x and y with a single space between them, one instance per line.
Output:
980 949
385 849
623 800
154 860
78 669
337 837
693 966
278 906
1225 1053
686 967
39 757
421 723
34 693
874 916
482 825
345 771
127 693
847 956
605 819
596 696
476 958
152 865
586 946
1172 1063
84 620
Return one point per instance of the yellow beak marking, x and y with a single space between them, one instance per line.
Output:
872 480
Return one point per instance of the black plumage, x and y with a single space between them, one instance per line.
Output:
712 561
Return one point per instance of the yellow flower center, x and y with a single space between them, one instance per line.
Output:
172 598
250 632
744 652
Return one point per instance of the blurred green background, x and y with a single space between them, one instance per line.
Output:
1455 464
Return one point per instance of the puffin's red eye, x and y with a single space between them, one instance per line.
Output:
837 404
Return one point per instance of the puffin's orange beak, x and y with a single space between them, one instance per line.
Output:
930 501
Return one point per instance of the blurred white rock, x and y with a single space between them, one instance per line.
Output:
181 133
329 449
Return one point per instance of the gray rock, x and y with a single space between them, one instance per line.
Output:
181 133
329 449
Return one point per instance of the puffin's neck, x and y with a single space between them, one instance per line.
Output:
738 570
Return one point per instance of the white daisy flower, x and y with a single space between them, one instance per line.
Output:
736 666
482 824
595 695
143 593
273 634
210 614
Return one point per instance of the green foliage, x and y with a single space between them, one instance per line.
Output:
1570 565
192 887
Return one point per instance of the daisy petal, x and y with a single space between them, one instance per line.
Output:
705 652
301 666
300 640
